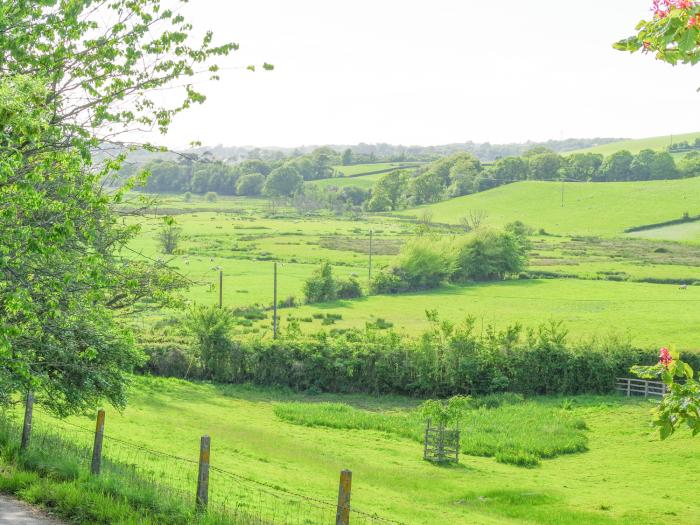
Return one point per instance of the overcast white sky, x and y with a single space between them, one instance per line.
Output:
433 72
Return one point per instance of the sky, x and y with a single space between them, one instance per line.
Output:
432 72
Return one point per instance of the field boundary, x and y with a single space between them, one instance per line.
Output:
673 222
202 485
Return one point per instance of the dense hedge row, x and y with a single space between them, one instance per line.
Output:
444 361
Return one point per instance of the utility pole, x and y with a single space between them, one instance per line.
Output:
369 277
221 288
274 307
562 193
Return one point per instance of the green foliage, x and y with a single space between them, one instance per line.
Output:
250 185
448 412
169 237
210 328
389 193
284 181
671 34
518 433
489 255
680 407
211 196
320 286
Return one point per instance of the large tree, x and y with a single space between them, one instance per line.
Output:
74 75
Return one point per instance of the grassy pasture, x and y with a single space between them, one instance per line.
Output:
649 314
359 169
363 181
637 145
604 209
689 232
610 483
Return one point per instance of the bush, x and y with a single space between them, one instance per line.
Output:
348 289
187 197
250 185
445 360
489 255
323 287
423 263
320 286
211 196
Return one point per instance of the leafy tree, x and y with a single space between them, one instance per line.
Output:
544 166
582 166
681 406
640 168
490 255
425 263
169 236
210 328
672 33
251 184
320 286
211 196
284 181
389 192
689 165
347 157
74 76
663 166
616 167
510 169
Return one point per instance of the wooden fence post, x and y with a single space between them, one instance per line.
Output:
27 427
203 476
342 516
629 387
97 447
646 389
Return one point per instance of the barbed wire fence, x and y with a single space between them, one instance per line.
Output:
145 475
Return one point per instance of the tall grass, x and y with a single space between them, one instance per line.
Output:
518 433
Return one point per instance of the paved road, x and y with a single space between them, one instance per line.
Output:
13 512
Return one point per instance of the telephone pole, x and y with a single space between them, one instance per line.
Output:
274 306
369 276
221 288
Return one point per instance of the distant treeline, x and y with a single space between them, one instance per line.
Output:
363 153
463 174
448 177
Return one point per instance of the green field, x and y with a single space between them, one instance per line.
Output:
355 170
589 208
636 145
649 314
362 181
622 478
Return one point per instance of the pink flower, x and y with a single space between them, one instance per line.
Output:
665 357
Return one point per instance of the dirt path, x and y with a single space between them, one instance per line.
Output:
13 512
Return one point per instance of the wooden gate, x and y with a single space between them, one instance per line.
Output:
441 445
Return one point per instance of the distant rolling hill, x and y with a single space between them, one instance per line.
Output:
637 145
590 208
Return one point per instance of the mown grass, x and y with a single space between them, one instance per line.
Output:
646 314
589 208
623 477
519 433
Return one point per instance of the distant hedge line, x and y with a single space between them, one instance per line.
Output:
444 361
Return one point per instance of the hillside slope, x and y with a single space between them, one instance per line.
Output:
637 145
589 208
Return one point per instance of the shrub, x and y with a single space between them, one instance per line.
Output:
320 286
423 263
169 237
250 185
348 289
187 197
211 196
489 255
